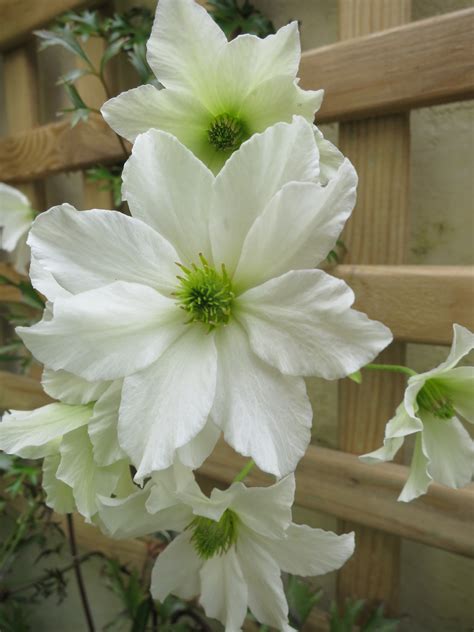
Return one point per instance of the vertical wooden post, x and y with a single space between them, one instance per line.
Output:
22 105
376 234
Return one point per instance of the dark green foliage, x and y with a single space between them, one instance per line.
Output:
301 600
236 17
355 616
108 179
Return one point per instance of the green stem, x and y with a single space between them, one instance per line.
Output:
396 368
242 475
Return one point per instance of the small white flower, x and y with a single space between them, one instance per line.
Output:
16 217
218 93
443 449
258 316
232 548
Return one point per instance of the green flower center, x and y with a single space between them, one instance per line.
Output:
205 294
226 132
433 398
212 537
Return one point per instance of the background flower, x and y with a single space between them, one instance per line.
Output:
16 217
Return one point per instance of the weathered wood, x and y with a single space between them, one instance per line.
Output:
424 63
57 147
418 303
19 392
339 484
18 18
375 234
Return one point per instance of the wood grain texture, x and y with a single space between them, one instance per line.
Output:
19 392
424 63
57 147
375 234
18 18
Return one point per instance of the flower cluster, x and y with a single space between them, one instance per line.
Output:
200 314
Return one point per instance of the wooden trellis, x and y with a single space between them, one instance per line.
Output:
372 80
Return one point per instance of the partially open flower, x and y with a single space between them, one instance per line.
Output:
232 547
444 451
16 217
217 93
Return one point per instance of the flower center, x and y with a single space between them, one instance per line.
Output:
212 537
226 132
205 294
434 399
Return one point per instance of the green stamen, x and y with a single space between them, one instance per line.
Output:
226 132
434 399
205 294
211 537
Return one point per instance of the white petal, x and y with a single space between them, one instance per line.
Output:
195 452
20 257
33 434
16 216
251 177
59 496
84 250
70 389
303 216
266 597
107 333
176 570
175 111
102 428
224 591
79 470
330 157
168 404
185 43
153 185
385 453
301 323
459 383
266 510
170 486
418 478
463 343
44 282
247 61
449 449
277 99
129 517
307 551
263 414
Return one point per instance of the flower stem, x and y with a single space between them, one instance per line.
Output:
396 368
242 475
78 572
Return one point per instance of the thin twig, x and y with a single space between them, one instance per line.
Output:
78 572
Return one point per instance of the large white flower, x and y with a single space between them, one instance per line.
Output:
232 548
16 217
218 93
229 339
443 449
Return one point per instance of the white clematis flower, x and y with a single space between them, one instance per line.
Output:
232 548
444 451
218 93
228 341
77 438
16 217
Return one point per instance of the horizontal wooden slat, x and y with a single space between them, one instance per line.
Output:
57 147
418 303
335 483
18 18
340 485
419 64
